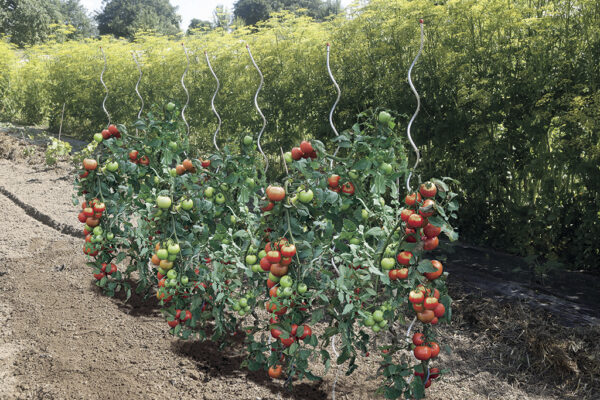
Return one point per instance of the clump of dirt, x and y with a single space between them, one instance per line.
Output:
530 347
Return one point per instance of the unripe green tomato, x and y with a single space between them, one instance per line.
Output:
302 288
171 283
162 271
386 168
355 241
286 281
224 187
250 182
98 231
246 309
173 172
251 259
353 174
383 323
288 292
172 274
256 268
287 156
156 180
273 277
162 254
345 206
306 196
89 229
174 248
236 307
232 219
187 204
110 236
220 198
184 280
248 140
378 316
262 254
98 137
177 207
381 201
209 191
172 257
170 106
218 213
388 263
163 202
243 302
376 328
369 321
365 214
390 251
384 117
242 313
159 213
112 166
173 146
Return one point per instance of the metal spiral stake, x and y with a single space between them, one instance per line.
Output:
105 87
410 82
187 101
212 102
337 100
137 85
262 81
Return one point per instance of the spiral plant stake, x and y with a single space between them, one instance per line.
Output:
187 94
137 84
105 87
212 102
339 95
262 80
412 87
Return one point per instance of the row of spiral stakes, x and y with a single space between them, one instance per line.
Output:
136 57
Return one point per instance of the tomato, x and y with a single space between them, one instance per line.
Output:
105 134
386 168
428 189
286 281
275 193
434 373
113 130
436 294
268 207
180 170
413 198
425 316
422 353
174 249
428 383
388 263
348 188
84 175
306 196
187 204
99 207
173 323
297 153
333 181
133 155
378 315
90 164
112 166
287 156
275 371
435 349
166 264
220 198
439 310
205 163
418 339
439 270
432 231
99 276
302 288
405 214
415 221
265 264
307 332
402 273
273 256
431 243
393 274
306 147
82 217
279 270
163 202
92 222
416 296
144 160
288 250
271 284
353 174
404 257
430 303
98 137
384 117
251 259
427 209
113 269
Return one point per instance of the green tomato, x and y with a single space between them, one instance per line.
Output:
273 277
386 168
376 328
382 324
388 263
256 268
236 307
286 281
112 166
209 191
302 288
250 182
378 316
306 196
173 146
173 172
355 241
384 117
184 280
177 207
171 283
187 204
288 292
242 313
98 137
163 202
220 199
353 174
172 257
174 248
162 254
98 231
248 140
365 214
287 156
246 309
110 236
156 180
345 205
159 213
224 187
232 219
251 259
170 106
162 271
262 254
243 302
172 274
369 321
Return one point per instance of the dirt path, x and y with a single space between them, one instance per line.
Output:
61 339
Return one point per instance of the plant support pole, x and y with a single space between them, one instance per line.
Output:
412 87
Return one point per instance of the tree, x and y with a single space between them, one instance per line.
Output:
27 22
252 11
198 24
123 18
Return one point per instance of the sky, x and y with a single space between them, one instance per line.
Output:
188 9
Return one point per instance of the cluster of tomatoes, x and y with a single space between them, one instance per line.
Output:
425 351
134 157
94 235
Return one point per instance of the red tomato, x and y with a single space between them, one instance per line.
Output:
348 188
273 256
402 273
288 250
432 231
405 214
435 349
287 342
173 323
90 164
105 134
133 155
306 147
422 353
404 257
265 264
427 209
144 160
428 189
439 310
275 333
113 130
275 371
205 163
307 332
439 270
393 274
333 181
430 244
297 153
275 193
411 199
418 339
268 207
82 217
415 221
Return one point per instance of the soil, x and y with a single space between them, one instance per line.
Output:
61 339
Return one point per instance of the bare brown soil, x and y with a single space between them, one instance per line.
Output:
61 339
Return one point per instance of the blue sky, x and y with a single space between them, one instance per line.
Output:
188 9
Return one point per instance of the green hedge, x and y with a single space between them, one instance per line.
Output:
510 92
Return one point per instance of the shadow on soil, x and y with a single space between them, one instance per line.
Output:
138 304
215 363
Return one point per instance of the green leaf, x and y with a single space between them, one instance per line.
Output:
349 307
349 225
425 266
375 231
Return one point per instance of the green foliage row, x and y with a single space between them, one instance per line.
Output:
510 93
